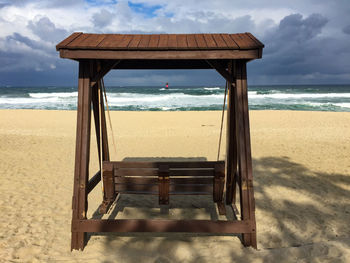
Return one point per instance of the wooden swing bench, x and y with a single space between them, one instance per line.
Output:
228 54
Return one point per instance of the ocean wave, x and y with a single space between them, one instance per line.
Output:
215 88
299 95
54 94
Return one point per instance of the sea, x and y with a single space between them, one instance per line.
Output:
183 98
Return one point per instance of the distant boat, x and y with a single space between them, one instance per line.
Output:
167 86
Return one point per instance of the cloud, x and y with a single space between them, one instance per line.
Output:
46 30
346 29
304 40
102 18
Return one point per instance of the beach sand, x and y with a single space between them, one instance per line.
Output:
301 169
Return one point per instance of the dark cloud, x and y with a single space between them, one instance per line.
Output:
47 30
346 29
297 52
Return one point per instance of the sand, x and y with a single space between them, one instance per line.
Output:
301 169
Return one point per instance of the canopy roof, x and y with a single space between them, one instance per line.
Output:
151 50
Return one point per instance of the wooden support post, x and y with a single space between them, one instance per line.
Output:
163 181
218 189
231 141
82 153
109 187
245 159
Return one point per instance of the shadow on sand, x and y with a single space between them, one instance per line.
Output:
295 208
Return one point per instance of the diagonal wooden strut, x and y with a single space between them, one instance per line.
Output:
104 69
221 70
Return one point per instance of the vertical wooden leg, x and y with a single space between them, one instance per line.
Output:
96 111
245 159
82 153
231 138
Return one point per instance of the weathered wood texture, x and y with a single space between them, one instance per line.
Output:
160 41
82 153
170 178
226 53
147 225
160 46
244 152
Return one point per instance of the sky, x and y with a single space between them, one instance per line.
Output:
306 41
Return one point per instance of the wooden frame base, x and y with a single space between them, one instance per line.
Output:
160 226
236 171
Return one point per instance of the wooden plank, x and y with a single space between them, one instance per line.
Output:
134 42
208 172
190 180
181 41
220 42
162 64
110 40
136 187
135 180
200 41
142 180
82 153
124 43
144 41
92 40
194 164
68 40
172 42
153 43
135 172
165 54
191 42
163 41
76 42
255 39
210 41
182 188
146 225
243 41
229 41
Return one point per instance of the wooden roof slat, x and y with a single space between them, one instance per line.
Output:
135 41
181 41
200 41
163 41
111 40
124 42
153 42
172 41
229 41
78 40
144 41
92 40
191 41
255 39
210 41
160 46
244 41
69 39
220 42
